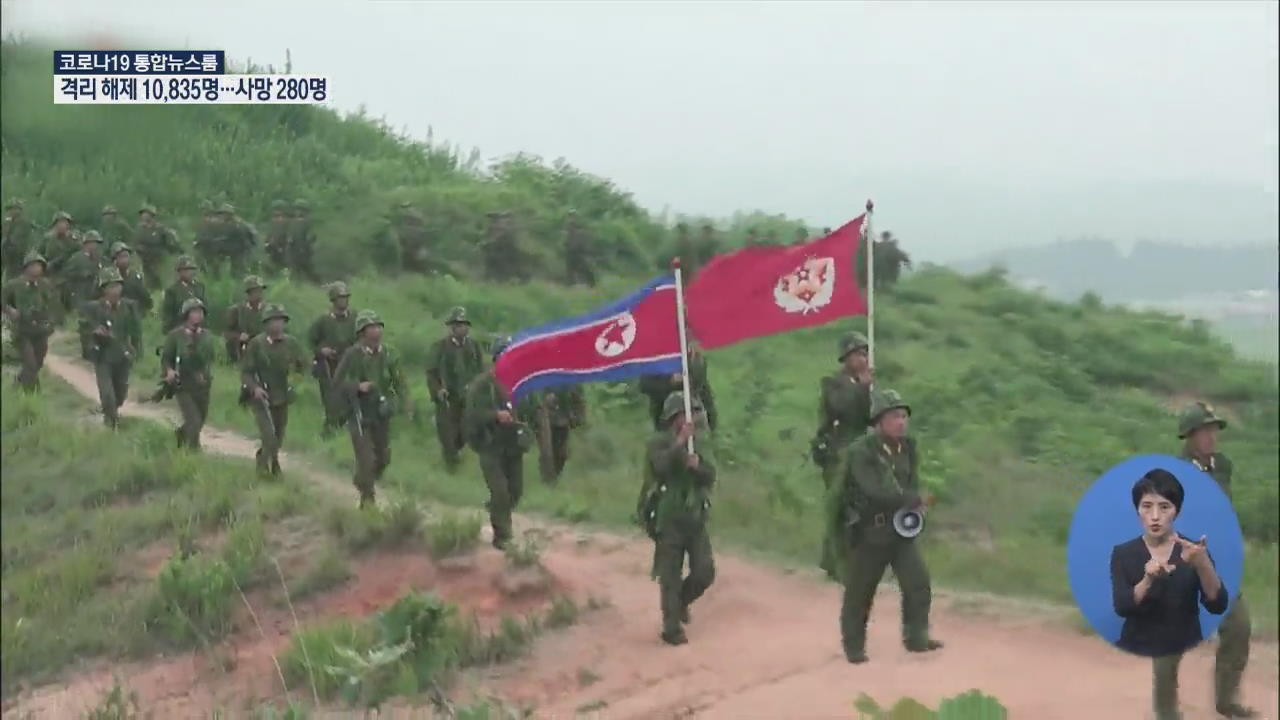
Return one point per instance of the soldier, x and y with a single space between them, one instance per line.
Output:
503 259
560 410
153 242
452 362
302 240
244 320
1198 428
277 240
114 229
30 302
499 433
264 375
210 245
674 504
330 336
80 272
370 383
177 294
17 238
410 231
110 335
889 259
61 242
879 479
187 362
239 239
135 288
577 253
844 413
658 387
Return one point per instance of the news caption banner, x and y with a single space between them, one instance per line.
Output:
173 77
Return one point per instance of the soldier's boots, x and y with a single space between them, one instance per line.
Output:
674 637
1236 710
857 657
685 617
367 499
927 646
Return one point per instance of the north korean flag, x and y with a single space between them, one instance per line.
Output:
633 337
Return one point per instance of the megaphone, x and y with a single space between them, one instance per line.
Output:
908 523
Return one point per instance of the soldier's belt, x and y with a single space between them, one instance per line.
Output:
880 519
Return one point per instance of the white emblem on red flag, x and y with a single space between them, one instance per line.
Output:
617 336
808 288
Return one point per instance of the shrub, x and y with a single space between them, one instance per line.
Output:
453 533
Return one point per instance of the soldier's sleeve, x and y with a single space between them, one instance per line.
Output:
706 472
874 479
665 453
480 407
655 384
169 351
578 403
249 364
135 328
344 377
171 241
913 480
708 401
1227 471
434 383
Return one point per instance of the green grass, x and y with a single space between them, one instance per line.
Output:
453 533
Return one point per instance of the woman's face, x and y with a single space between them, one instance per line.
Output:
1157 515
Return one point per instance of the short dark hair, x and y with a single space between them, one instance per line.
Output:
1159 482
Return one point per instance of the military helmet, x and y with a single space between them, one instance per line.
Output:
108 209
14 203
253 282
34 256
301 205
279 205
406 204
500 346
118 247
148 208
190 304
338 289
457 315
185 262
365 318
674 405
61 215
274 310
849 343
92 236
882 401
109 275
226 209
1197 415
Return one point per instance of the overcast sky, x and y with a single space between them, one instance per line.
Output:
972 125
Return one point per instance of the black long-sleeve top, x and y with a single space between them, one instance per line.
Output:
1167 621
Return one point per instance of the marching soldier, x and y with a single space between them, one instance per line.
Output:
268 361
154 242
503 258
499 433
302 240
452 362
658 387
276 243
409 228
674 504
561 410
30 302
61 242
244 320
80 272
177 294
330 336
370 382
110 335
844 413
114 229
187 362
879 479
577 253
240 239
17 238
209 244
135 288
1198 427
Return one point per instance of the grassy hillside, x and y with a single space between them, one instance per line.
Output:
1020 402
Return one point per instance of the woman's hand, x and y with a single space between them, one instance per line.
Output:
1156 569
1195 553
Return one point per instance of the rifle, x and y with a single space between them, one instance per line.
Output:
266 406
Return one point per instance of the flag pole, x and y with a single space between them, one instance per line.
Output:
684 347
871 287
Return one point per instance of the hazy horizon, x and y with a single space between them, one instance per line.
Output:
974 126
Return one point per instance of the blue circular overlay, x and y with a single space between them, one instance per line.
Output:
1106 517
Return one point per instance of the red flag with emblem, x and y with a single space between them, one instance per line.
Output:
760 291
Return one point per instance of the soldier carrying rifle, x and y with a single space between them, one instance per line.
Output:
244 320
330 336
265 366
110 335
187 362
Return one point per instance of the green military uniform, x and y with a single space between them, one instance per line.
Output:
410 232
1235 631
266 365
58 247
560 411
110 336
501 253
880 478
658 387
452 362
675 502
17 238
577 253
238 240
153 243
31 304
80 272
210 243
244 319
302 240
500 447
135 287
276 243
189 352
369 413
844 413
114 229
335 331
177 294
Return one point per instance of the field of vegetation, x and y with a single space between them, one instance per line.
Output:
1020 402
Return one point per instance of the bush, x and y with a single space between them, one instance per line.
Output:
972 705
453 533
194 599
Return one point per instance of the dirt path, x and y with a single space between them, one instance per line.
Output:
765 644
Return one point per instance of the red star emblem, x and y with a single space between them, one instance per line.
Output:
613 334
